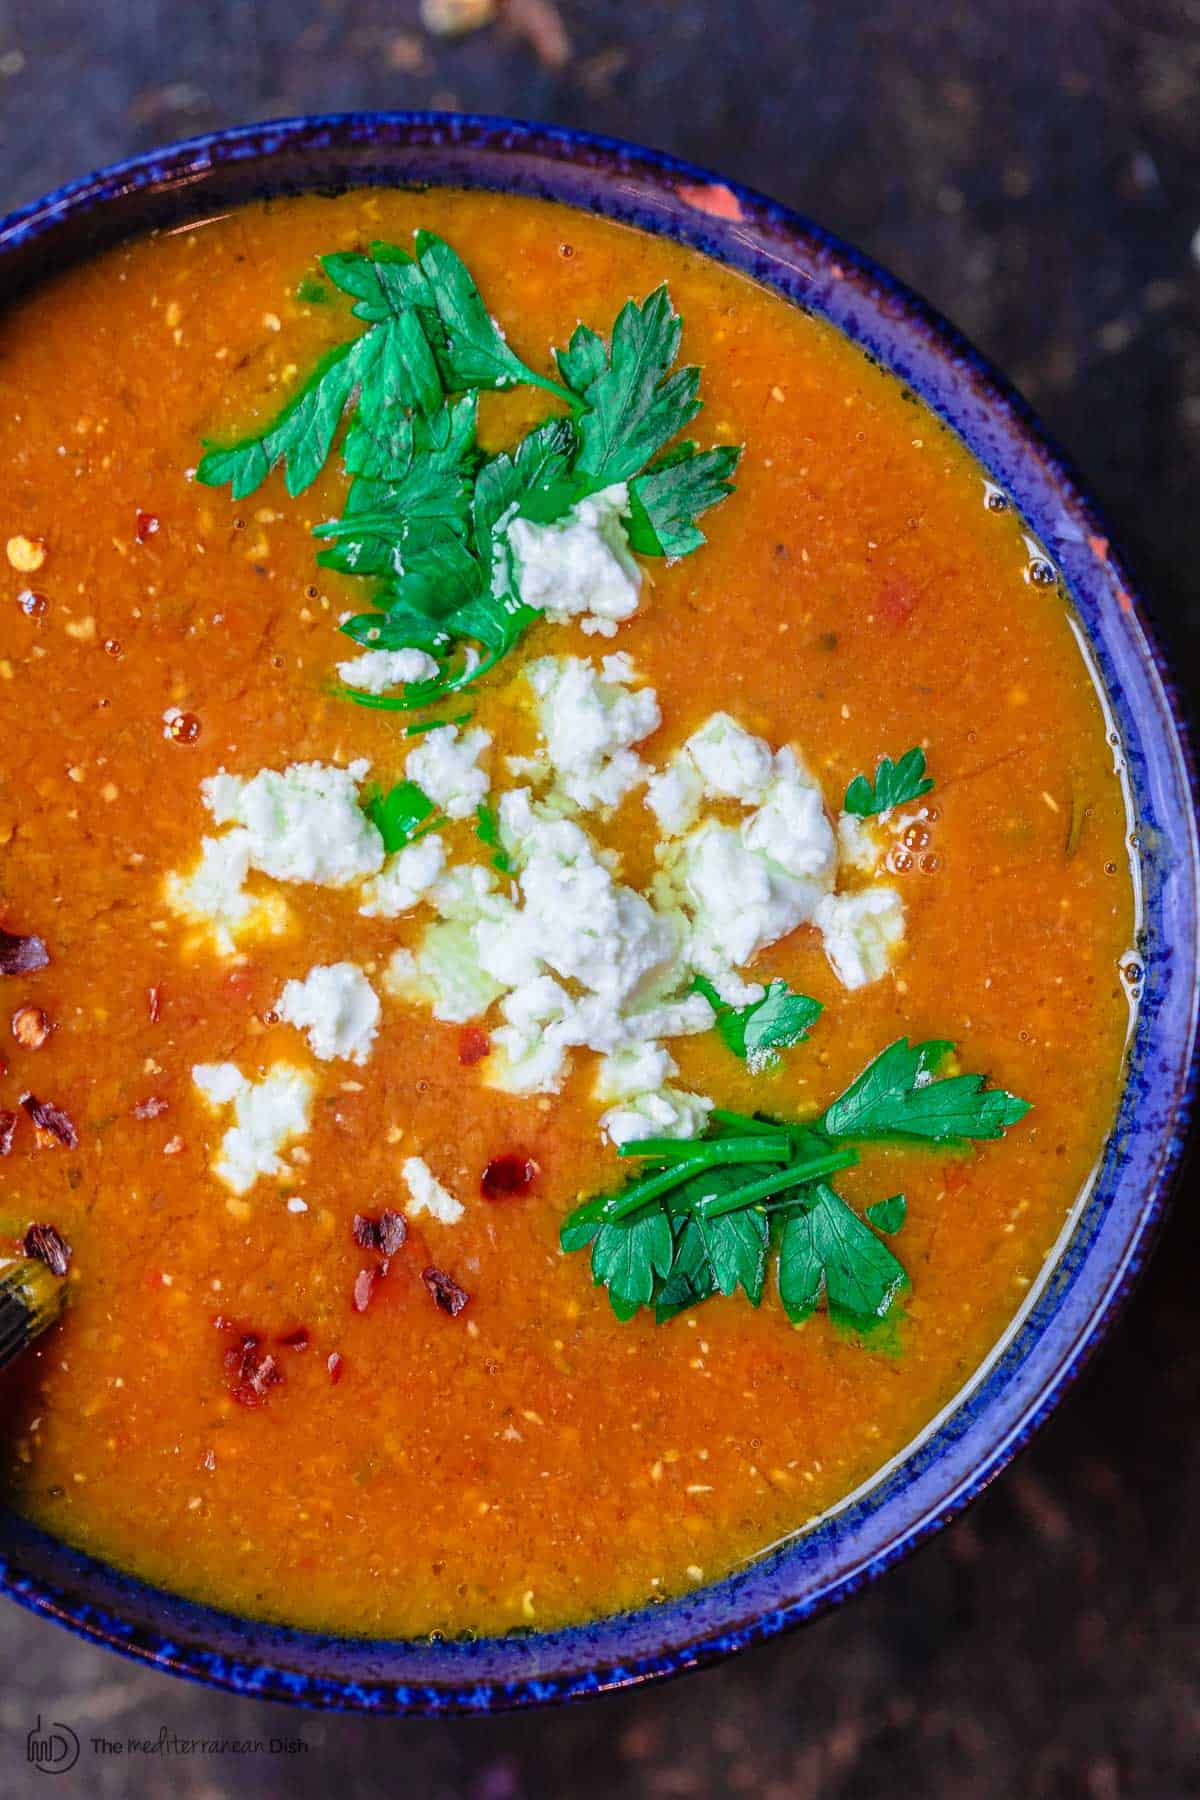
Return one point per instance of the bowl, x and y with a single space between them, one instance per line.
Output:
1110 1230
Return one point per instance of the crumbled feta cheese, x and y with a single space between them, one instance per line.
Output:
632 1070
527 1055
445 973
214 899
377 670
674 796
580 922
268 1114
671 1112
427 1195
581 566
740 899
863 933
859 843
337 1007
732 764
445 766
589 723
790 827
304 824
405 879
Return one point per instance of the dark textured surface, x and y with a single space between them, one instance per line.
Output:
1033 169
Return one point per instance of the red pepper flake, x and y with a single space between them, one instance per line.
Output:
154 1004
364 1287
30 1027
153 1108
473 1045
250 1370
444 1291
21 955
336 1364
295 1340
51 1121
44 1242
145 525
507 1175
8 1126
386 1233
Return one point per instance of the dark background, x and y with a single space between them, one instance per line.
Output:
1032 168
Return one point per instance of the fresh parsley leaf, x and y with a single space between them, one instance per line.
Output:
384 284
896 1096
895 784
826 1248
405 812
475 353
300 436
583 361
735 1244
758 1032
634 405
690 1279
628 1255
666 501
888 1215
487 830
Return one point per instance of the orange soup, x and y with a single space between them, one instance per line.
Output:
548 1088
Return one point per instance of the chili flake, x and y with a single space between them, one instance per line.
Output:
444 1291
21 955
48 1246
50 1120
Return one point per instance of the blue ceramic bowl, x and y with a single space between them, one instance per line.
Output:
1110 1231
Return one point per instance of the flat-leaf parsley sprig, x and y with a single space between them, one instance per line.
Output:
711 1215
895 784
427 512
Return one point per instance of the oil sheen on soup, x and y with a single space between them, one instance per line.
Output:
548 1087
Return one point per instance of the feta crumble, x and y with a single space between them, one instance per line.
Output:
732 764
214 899
304 824
863 933
377 670
427 1195
268 1114
338 1009
669 1112
590 721
405 879
445 766
580 567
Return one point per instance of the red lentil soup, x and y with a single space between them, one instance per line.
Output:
448 1428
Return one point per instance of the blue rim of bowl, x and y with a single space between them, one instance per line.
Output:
1000 1408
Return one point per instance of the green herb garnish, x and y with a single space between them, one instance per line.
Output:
897 1097
895 784
487 830
711 1214
758 1032
427 513
888 1215
401 815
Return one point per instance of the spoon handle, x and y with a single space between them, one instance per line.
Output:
31 1299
